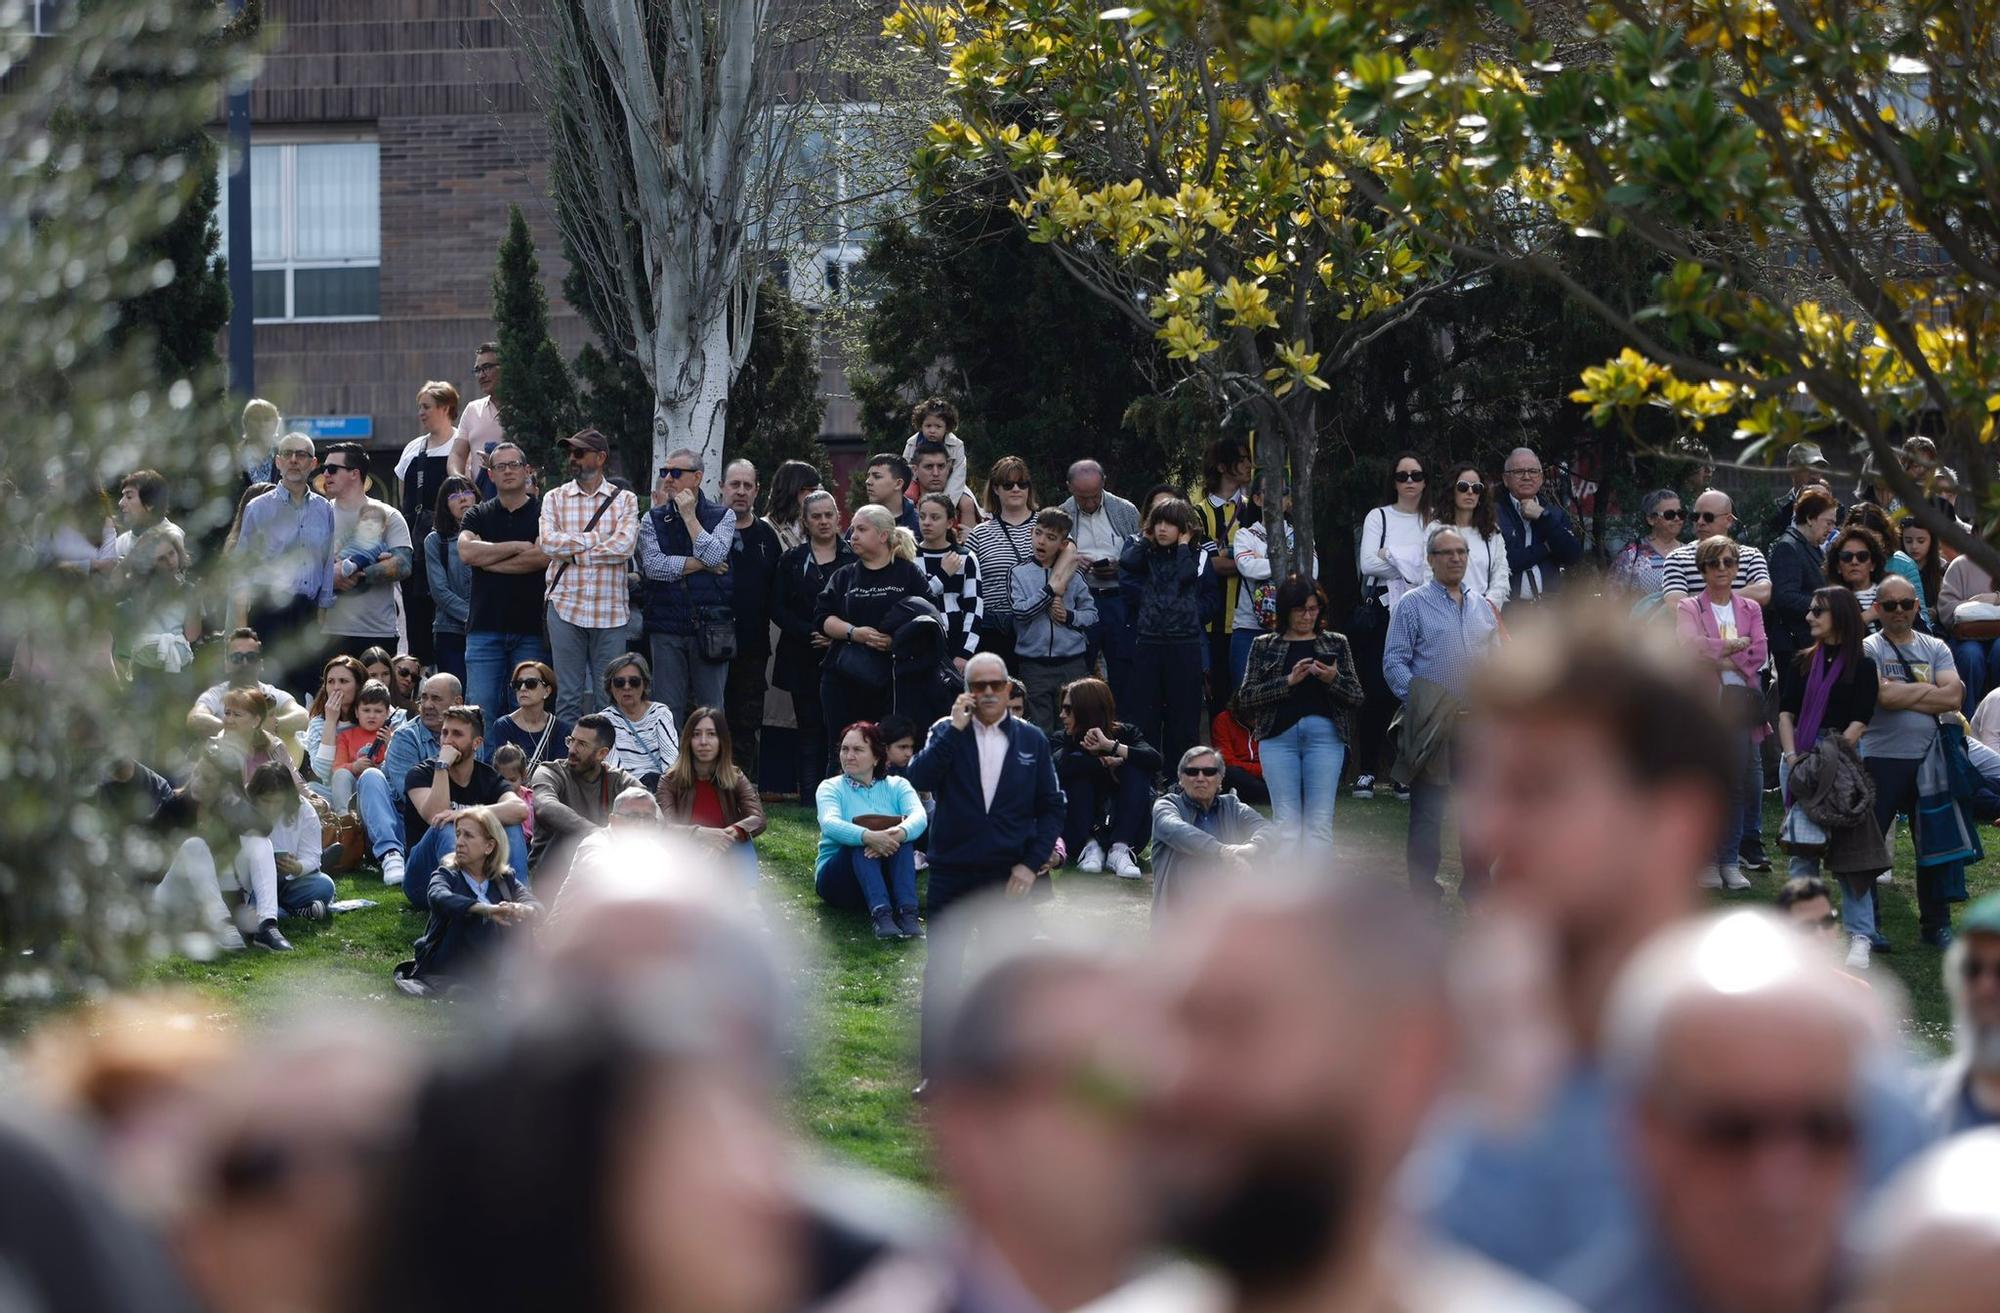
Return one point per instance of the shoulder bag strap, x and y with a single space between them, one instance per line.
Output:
602 507
541 746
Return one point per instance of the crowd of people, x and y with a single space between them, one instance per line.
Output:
1306 1091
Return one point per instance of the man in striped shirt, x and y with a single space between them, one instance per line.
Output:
586 596
1714 514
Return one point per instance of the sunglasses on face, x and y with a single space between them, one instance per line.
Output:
1724 563
989 686
1067 709
1896 604
530 682
244 658
1409 476
675 472
332 468
1203 771
1463 486
1675 514
1012 485
628 681
1708 517
1848 558
1816 610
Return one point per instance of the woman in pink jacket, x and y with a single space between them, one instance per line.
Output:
1727 632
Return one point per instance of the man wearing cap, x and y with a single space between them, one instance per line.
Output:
588 532
1809 466
1964 1092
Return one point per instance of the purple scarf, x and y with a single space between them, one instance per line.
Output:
1820 677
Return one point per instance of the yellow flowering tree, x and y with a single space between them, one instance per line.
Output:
1214 203
1822 178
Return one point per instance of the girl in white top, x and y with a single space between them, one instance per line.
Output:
1391 552
1462 502
1251 546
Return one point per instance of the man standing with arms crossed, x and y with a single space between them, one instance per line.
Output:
588 532
504 620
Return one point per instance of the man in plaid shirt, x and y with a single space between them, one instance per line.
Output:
586 593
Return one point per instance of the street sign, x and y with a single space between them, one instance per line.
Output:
334 428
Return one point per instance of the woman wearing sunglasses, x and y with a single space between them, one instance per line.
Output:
646 745
1002 541
1856 561
531 726
1638 570
1390 557
1463 502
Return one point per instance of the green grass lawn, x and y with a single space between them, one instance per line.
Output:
853 1092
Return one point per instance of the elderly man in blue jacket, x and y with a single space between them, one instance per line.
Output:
999 809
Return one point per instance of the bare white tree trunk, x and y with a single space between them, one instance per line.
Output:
693 372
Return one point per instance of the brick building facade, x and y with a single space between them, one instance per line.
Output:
427 94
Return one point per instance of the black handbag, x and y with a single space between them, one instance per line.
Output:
715 632
860 664
1371 615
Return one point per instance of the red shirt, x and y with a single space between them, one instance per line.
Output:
706 810
1233 741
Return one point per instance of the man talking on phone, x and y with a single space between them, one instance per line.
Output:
998 812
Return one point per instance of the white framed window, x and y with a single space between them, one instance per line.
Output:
315 231
846 162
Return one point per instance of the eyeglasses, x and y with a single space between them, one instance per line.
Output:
244 658
988 685
298 455
1708 517
1463 486
1203 771
1519 474
530 682
628 681
486 368
1816 610
1848 558
676 472
1741 1131
1724 562
1409 476
1448 551
1896 604
1674 514
499 465
580 741
1012 485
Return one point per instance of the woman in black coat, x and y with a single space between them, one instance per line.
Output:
795 589
1107 772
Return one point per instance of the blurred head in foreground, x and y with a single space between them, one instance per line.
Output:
1742 1056
1931 1242
1306 1038
1032 1123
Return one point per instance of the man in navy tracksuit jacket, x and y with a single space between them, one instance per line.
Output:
999 811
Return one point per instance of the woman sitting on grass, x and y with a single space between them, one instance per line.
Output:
704 794
476 903
866 823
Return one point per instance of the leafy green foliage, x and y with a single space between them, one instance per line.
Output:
774 405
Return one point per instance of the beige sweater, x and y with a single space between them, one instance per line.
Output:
1963 581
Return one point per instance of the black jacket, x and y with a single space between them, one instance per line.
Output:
753 571
1176 590
795 594
1796 573
455 942
1144 756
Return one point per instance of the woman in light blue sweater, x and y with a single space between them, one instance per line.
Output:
872 866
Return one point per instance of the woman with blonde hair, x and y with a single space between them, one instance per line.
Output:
858 673
707 794
476 899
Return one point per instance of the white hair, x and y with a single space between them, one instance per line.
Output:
1197 752
986 657
1430 540
637 794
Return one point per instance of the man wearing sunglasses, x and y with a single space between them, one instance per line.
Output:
684 543
364 611
1964 1092
1199 825
999 811
1919 683
589 530
1741 1060
509 569
245 668
1714 514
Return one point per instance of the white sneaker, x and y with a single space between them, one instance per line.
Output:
923 860
1123 864
1364 787
1732 878
1887 877
1710 878
392 869
1858 950
1091 860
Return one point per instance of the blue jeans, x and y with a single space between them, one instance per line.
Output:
1978 660
1239 654
1857 894
297 892
441 841
490 658
1750 777
682 679
858 881
580 656
1302 770
1113 638
380 816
